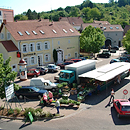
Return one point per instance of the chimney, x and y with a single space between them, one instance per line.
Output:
4 21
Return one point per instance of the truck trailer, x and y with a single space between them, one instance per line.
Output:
72 71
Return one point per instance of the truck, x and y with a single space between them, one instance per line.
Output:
41 83
72 71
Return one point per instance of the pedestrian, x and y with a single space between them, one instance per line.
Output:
111 97
57 104
98 88
45 99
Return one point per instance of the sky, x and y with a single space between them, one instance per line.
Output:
20 6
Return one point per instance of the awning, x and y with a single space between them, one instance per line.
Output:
108 71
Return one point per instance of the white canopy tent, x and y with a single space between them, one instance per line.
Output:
107 72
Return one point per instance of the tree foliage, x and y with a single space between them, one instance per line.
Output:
92 39
7 76
126 41
113 12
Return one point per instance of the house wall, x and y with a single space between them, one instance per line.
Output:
115 37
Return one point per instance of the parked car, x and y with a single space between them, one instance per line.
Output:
122 107
114 60
124 59
104 54
42 69
76 60
53 68
115 47
62 65
30 92
41 83
33 72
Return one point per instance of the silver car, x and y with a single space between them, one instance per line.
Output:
53 68
42 69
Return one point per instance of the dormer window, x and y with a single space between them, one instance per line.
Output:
34 32
20 33
117 27
111 27
54 31
64 30
41 32
71 30
27 32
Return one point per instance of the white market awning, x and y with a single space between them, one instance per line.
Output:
108 71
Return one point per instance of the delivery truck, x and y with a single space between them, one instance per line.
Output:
72 71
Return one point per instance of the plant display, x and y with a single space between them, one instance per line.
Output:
18 110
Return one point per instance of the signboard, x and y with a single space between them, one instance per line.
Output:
125 92
9 92
30 117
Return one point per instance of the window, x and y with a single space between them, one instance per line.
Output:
46 45
54 31
32 60
8 36
0 13
27 32
68 41
58 42
76 55
20 33
31 47
69 55
117 27
2 36
111 27
34 32
26 60
38 45
47 57
64 30
71 30
41 32
24 48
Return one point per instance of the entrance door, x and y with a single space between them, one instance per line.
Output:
60 56
107 43
40 59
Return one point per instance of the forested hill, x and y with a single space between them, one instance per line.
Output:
117 12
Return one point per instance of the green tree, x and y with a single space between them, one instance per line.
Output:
126 41
92 39
74 12
29 15
7 76
55 55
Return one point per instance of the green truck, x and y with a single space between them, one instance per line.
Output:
72 71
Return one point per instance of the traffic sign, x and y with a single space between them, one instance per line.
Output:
125 92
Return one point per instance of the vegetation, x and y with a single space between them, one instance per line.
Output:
113 12
126 41
92 39
7 76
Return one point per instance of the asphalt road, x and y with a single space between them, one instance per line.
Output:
93 116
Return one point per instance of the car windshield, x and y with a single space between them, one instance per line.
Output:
35 89
37 71
50 82
125 108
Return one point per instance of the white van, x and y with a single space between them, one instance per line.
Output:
41 83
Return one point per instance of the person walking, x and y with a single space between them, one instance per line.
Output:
111 98
57 104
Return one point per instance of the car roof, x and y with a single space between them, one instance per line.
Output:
124 102
32 69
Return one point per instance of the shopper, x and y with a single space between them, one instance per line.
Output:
57 104
111 98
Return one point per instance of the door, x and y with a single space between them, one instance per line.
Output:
40 59
60 56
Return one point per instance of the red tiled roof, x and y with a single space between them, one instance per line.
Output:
46 27
105 27
101 22
75 21
9 45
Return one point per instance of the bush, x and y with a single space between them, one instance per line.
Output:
29 110
18 110
10 111
38 110
48 114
